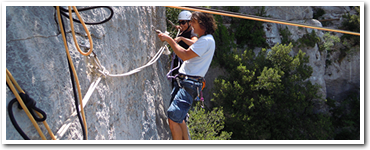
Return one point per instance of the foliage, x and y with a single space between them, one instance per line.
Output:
308 40
285 35
346 117
207 125
350 43
249 32
269 97
318 13
351 23
225 42
232 8
172 15
329 42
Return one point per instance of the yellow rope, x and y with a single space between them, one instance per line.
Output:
47 127
264 20
9 80
13 81
73 70
73 31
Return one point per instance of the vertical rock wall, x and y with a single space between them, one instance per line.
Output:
121 108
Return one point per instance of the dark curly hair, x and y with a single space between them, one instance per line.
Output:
205 20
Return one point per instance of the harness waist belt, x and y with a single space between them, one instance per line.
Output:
194 78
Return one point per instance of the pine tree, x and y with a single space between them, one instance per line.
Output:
207 125
269 96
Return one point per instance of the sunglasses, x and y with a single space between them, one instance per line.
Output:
182 22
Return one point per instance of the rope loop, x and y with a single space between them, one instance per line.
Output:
31 105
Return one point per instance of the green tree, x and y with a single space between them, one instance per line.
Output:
346 117
225 42
207 125
249 32
351 43
269 96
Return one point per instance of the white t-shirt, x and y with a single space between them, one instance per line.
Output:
204 47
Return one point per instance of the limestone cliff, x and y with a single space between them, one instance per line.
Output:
337 79
120 108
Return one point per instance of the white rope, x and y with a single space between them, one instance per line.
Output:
152 61
93 85
62 130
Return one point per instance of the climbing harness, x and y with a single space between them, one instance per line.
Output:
258 18
29 108
168 75
177 67
176 77
200 80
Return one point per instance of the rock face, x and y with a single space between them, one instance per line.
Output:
120 108
338 79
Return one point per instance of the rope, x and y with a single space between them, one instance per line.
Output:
74 74
14 122
59 9
173 58
31 105
152 61
21 97
105 72
74 115
75 95
88 8
73 31
101 68
258 18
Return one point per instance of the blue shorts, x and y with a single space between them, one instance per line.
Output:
182 99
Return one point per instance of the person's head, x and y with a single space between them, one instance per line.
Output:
184 19
205 20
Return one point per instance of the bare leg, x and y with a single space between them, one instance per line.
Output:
176 130
184 129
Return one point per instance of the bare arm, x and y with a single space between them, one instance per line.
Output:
184 54
186 40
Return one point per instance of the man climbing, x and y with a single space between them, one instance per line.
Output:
197 59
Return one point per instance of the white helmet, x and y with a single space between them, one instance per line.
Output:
185 15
